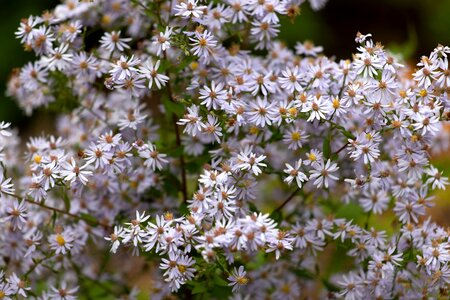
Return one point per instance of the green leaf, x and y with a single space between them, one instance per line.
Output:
173 107
66 201
200 288
327 147
88 218
219 281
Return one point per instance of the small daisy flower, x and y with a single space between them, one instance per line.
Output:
112 42
238 278
150 72
295 173
322 173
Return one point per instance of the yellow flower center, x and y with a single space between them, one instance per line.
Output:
296 136
60 240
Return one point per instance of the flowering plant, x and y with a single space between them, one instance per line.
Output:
188 135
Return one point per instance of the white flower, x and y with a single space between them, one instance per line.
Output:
124 68
3 129
71 172
318 108
154 159
295 173
112 41
163 40
238 278
189 9
248 160
5 185
322 173
212 129
150 72
203 44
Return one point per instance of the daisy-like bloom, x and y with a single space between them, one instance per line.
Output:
84 66
162 40
131 119
114 238
50 172
426 74
353 287
189 9
374 201
6 290
134 232
261 112
109 140
17 214
72 173
318 107
63 293
19 285
26 32
4 129
192 121
61 242
436 179
213 97
262 33
156 232
203 44
150 72
154 159
238 278
97 155
308 48
124 68
367 65
322 173
112 42
58 58
42 40
295 173
294 137
212 129
291 80
282 241
426 123
248 160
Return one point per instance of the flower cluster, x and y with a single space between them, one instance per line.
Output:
238 165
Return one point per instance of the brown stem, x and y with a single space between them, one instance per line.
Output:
58 210
291 196
342 148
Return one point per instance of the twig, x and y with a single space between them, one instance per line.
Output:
58 210
342 148
291 196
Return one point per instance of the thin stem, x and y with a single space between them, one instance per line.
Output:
291 196
342 148
58 210
178 140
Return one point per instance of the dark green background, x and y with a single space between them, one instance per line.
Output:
411 27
